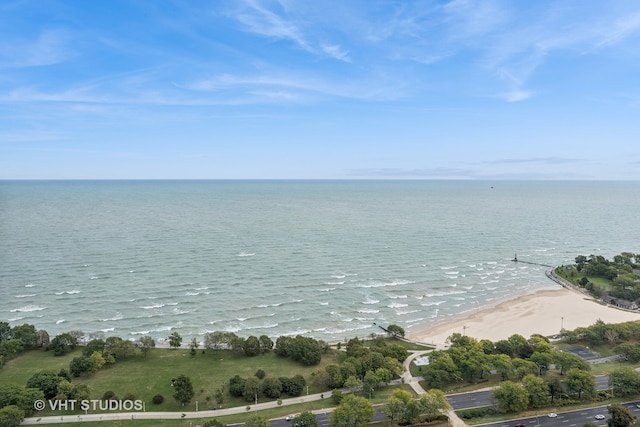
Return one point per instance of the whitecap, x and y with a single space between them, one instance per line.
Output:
151 307
246 254
30 285
368 311
15 319
334 283
371 301
25 296
327 289
397 305
339 276
323 303
27 309
118 316
270 326
429 304
108 329
192 294
60 321
402 313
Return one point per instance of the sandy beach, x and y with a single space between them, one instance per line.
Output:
544 312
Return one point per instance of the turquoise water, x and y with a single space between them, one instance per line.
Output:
323 258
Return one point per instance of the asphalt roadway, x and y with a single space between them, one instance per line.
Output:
483 397
575 418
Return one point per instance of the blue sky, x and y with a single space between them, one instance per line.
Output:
356 89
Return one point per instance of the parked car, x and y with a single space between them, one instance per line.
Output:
600 417
552 415
519 425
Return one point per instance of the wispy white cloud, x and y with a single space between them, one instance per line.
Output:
622 28
336 52
50 47
260 20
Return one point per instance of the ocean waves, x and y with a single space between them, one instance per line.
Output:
321 258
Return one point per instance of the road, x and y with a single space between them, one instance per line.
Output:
575 418
483 397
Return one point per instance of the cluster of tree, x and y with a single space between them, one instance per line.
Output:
250 346
353 411
365 367
21 338
98 353
16 402
252 388
403 409
603 333
535 392
57 385
623 282
468 359
305 350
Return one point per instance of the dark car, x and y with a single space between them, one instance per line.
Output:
519 424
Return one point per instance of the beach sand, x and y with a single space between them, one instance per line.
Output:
544 312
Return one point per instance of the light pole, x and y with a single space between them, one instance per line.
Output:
561 324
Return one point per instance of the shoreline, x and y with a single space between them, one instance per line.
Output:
544 312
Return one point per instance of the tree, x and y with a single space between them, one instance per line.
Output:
183 389
251 390
272 387
42 338
293 386
236 386
433 403
304 419
503 365
266 343
511 397
394 407
581 383
538 391
118 349
25 333
193 345
624 381
620 416
395 330
63 343
11 416
251 346
353 384
353 411
146 343
10 348
256 421
47 381
175 340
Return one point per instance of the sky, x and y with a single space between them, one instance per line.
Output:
326 89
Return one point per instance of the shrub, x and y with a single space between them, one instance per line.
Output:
157 399
109 395
260 374
129 396
213 423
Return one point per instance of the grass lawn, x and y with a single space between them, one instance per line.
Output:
145 377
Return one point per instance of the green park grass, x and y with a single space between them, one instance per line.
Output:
147 376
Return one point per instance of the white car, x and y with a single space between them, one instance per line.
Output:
600 417
288 418
552 415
